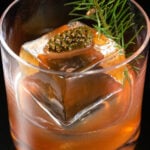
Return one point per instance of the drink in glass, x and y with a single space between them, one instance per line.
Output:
68 85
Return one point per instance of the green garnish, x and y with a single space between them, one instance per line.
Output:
111 18
126 76
76 38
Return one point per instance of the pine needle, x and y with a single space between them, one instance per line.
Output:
110 17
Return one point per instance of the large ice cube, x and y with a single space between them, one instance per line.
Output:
69 96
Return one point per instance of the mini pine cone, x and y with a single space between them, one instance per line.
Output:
76 38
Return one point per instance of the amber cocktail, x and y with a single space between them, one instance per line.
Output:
67 96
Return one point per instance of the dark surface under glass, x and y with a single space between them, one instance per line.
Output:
144 140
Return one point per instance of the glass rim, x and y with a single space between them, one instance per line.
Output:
127 60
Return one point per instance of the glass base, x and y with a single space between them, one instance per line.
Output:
131 144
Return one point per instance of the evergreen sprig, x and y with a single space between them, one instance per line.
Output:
111 17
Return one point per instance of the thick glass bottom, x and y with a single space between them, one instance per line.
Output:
129 145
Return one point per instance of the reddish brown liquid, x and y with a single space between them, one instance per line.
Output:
112 125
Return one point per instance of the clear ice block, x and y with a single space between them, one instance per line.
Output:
70 95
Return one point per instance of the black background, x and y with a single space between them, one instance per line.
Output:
144 140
